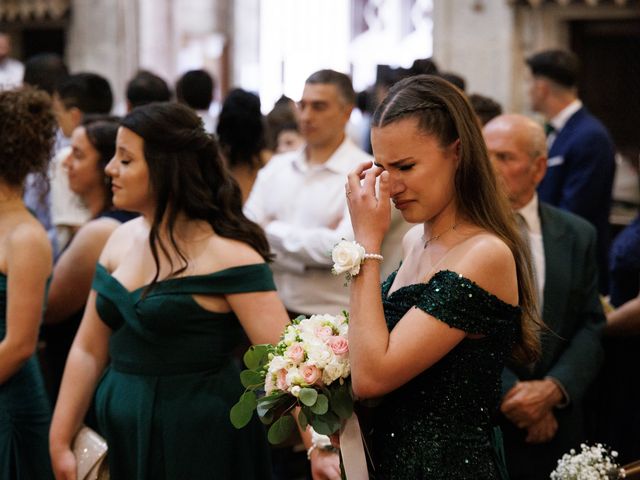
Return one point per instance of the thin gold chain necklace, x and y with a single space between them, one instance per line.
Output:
436 237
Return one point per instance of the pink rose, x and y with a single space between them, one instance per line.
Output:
281 380
324 332
295 352
339 345
311 374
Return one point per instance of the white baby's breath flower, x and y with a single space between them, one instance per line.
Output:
593 462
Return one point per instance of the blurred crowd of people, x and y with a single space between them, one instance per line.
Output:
64 156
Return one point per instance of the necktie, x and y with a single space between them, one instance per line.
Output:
549 129
523 226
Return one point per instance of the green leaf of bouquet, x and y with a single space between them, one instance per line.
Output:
302 419
308 396
251 379
321 406
267 403
326 424
281 429
254 357
342 403
242 411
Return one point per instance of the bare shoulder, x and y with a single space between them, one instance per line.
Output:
228 253
120 240
96 230
28 235
488 261
28 245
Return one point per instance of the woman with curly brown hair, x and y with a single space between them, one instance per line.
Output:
27 129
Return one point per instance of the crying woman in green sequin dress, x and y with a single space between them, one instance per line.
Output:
432 341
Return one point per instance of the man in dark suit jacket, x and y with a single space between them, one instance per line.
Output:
581 161
542 414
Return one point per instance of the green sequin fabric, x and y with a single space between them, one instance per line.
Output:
439 424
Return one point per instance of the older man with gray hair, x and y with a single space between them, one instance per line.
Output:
542 415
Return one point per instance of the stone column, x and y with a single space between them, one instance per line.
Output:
103 38
477 41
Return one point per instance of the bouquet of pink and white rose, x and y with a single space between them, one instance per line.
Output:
308 368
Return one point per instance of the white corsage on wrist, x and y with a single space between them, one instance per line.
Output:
347 257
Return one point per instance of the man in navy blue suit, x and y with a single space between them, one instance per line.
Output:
581 160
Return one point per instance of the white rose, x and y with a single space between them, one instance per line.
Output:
309 325
318 354
331 372
294 377
278 363
347 257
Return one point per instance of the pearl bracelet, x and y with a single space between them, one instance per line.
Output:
348 256
327 448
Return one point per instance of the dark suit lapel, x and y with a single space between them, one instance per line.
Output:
557 247
566 131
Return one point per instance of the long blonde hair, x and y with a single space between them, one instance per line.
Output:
442 110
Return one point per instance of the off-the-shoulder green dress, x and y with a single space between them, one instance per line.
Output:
439 425
163 403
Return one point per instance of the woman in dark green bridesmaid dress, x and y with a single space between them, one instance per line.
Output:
174 294
27 129
432 342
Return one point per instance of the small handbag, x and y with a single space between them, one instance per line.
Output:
90 450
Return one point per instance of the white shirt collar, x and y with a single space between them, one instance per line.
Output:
531 215
340 161
561 119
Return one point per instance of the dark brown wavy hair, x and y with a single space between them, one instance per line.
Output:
101 131
443 111
27 133
188 176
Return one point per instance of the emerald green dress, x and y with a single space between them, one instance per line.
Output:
163 403
24 416
439 425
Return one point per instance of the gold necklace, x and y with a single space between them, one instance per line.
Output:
436 237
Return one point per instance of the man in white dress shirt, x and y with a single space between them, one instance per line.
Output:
542 404
11 70
299 198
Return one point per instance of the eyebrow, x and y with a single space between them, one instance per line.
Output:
394 163
124 149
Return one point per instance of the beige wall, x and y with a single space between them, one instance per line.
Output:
117 37
488 45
